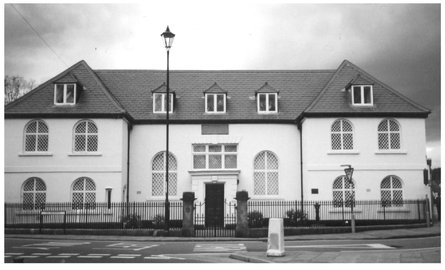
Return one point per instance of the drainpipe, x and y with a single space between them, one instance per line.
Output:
130 127
300 128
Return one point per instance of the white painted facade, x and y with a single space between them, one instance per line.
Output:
371 165
59 167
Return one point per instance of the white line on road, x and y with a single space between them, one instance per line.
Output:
58 257
373 246
27 257
68 254
13 254
41 254
129 255
89 257
96 254
123 257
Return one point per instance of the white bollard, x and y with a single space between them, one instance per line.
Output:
275 242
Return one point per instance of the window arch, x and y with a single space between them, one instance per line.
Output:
85 136
84 193
36 136
342 135
341 192
265 174
34 194
389 134
158 166
391 191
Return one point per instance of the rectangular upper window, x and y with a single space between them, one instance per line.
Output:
362 95
215 103
65 94
267 102
214 156
160 103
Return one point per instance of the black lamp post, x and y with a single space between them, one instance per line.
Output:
168 39
348 174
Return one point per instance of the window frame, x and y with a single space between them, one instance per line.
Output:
64 95
362 95
388 134
207 153
215 103
84 191
342 135
266 172
87 135
163 103
267 111
392 190
35 136
163 172
34 192
344 190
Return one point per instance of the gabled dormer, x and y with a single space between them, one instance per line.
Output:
66 90
215 99
160 99
267 99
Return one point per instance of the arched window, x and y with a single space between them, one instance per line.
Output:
265 174
84 193
34 194
341 192
342 135
389 134
158 182
36 136
85 136
391 191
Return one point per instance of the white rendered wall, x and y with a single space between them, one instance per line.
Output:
59 167
322 165
282 139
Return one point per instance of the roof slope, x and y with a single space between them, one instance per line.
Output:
335 99
94 98
133 89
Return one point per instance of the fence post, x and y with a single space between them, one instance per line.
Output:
188 199
317 211
242 226
427 211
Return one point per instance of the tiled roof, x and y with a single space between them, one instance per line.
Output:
94 98
129 93
336 97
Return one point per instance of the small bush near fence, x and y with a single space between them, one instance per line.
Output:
255 219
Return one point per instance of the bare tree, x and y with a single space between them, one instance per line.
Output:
16 86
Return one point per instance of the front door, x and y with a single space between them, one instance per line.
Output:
214 205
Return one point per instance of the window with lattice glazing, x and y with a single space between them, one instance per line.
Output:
84 193
36 136
158 181
341 135
214 156
388 135
342 191
391 191
34 194
86 137
265 174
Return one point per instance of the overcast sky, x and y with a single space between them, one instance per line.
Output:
398 44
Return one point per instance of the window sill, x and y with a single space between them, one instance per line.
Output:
83 154
362 105
391 152
163 112
215 113
344 152
267 113
36 154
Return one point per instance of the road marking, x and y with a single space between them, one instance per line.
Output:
68 254
134 255
41 254
13 254
58 257
162 257
27 257
354 246
122 257
219 247
95 254
126 246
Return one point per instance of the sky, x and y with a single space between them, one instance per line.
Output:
399 44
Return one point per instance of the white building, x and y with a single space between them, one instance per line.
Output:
99 135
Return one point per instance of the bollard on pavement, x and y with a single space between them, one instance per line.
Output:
275 243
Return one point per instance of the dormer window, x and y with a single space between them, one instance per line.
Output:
215 103
65 94
267 102
362 95
160 103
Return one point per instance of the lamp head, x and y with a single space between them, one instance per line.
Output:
168 38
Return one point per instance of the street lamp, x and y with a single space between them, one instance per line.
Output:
348 175
168 39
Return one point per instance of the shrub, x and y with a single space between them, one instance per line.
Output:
132 221
296 217
255 219
159 222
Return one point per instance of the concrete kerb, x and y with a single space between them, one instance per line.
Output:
249 259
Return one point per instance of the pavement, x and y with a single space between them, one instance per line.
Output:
425 255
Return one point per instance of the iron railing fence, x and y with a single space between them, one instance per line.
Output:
296 213
214 225
120 215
